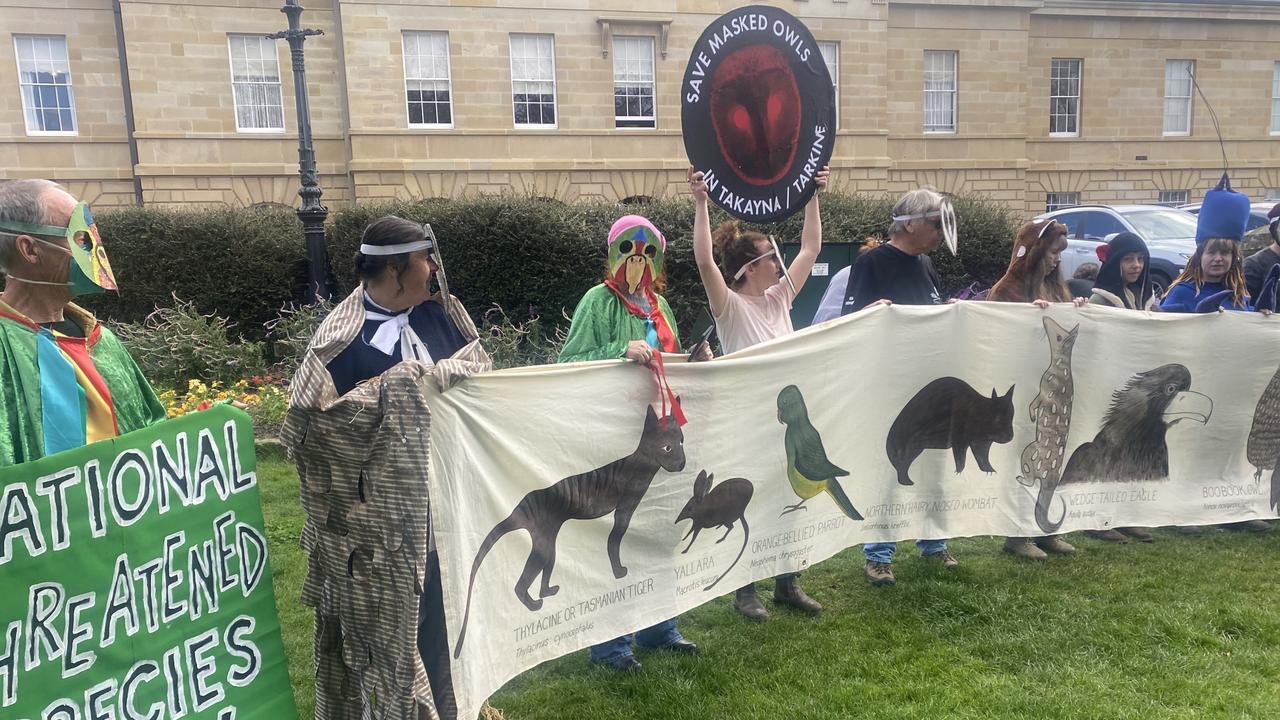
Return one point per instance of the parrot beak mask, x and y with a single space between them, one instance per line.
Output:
635 259
90 271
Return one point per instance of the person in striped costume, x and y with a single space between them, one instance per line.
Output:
65 379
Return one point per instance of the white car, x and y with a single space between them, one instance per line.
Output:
1170 235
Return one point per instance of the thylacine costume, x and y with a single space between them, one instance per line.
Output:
371 570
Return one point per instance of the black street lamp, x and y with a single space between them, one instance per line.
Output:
312 213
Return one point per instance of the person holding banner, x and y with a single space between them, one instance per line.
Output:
626 317
1214 277
68 381
752 306
900 271
1035 276
400 315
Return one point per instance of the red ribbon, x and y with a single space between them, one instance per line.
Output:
665 392
666 338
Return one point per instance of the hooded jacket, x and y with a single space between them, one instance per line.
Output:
1110 288
1033 243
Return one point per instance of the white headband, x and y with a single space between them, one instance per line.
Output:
921 216
395 249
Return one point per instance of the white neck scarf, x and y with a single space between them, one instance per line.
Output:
395 327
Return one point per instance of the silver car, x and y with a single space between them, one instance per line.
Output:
1170 235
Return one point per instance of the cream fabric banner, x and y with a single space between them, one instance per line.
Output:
563 508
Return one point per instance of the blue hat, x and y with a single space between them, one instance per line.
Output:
1224 213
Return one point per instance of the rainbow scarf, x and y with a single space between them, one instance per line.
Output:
76 407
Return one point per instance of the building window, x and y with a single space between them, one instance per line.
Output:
1174 198
940 91
831 56
1273 195
427 86
1275 100
255 84
1064 97
44 79
633 82
533 80
1059 200
1177 96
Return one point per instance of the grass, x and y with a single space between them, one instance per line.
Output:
1187 627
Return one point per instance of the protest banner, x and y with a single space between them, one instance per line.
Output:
138 581
567 512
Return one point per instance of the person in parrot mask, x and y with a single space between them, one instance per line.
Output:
626 317
65 379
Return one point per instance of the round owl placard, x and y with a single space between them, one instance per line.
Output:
758 112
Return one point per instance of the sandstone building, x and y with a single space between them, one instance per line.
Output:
1038 103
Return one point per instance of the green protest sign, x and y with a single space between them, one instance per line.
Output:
136 580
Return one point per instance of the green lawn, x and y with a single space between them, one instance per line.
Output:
1187 627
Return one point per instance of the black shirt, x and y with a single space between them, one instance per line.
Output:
887 272
1256 267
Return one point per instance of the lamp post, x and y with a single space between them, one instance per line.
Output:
312 213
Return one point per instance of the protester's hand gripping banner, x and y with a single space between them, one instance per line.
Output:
137 580
566 512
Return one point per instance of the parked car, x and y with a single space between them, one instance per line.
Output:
1170 234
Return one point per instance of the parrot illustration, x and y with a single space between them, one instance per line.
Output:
808 468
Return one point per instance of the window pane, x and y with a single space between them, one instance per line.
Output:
533 79
44 78
427 81
255 83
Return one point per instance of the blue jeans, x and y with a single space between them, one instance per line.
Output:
883 551
656 636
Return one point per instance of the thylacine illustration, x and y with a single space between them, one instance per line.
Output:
614 488
948 413
722 507
1051 412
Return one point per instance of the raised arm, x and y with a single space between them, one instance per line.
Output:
712 280
810 236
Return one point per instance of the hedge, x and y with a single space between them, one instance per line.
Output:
529 256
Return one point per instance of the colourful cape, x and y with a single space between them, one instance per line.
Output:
91 390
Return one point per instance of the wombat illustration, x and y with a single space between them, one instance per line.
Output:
721 507
948 413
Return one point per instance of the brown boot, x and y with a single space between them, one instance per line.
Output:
1258 526
748 604
1054 544
1023 548
1137 534
878 573
787 591
1107 535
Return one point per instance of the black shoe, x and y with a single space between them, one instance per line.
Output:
682 646
625 663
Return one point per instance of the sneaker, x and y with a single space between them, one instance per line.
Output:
1022 547
879 573
945 557
788 592
1108 536
748 604
1055 545
1137 534
1258 526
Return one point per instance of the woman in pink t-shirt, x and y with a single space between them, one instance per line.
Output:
754 305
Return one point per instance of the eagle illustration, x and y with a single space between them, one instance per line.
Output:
1131 447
